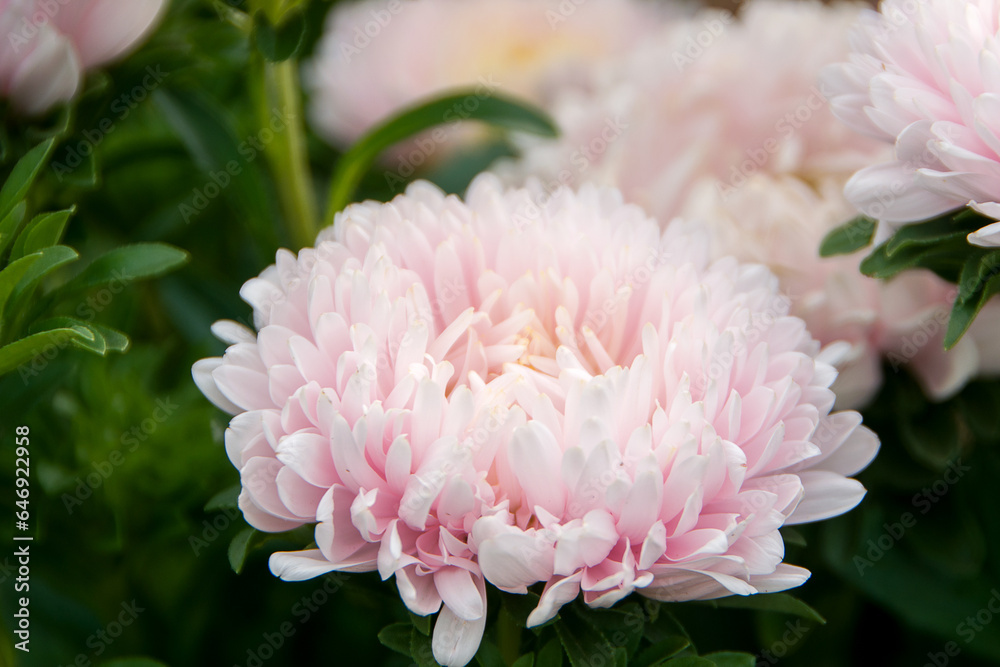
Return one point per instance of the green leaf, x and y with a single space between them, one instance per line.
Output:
963 312
525 661
879 264
396 637
776 602
239 548
44 230
127 263
661 651
15 188
421 651
421 623
550 655
488 655
582 641
282 42
980 265
520 606
489 108
849 237
687 661
98 345
10 224
731 659
49 259
225 499
12 275
26 349
793 537
622 624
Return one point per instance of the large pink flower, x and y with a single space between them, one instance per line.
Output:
925 75
444 386
47 46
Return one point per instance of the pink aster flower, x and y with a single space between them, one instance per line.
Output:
377 57
925 75
520 388
49 45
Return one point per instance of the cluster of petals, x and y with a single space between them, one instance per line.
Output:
521 388
48 45
925 76
376 57
726 119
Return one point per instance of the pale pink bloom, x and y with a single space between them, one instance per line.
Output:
722 119
378 56
48 46
925 75
435 373
780 221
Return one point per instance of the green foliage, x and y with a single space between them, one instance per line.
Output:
281 42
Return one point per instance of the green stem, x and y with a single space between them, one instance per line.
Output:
508 637
278 94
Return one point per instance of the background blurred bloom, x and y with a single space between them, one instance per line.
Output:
925 75
722 119
377 57
49 45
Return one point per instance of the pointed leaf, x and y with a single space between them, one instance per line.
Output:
44 230
26 349
127 263
12 275
421 623
525 661
10 224
225 499
15 188
963 312
731 659
49 259
776 602
421 650
239 548
396 637
661 651
489 108
849 237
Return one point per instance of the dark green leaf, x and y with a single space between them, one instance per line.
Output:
489 108
963 313
664 627
49 259
128 263
83 176
520 606
980 265
225 499
422 623
622 624
26 349
525 661
776 602
730 659
421 650
98 345
396 637
849 237
239 548
688 661
15 188
660 651
488 655
10 224
550 655
281 42
44 230
582 641
12 275
792 536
